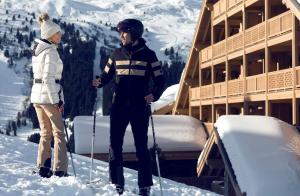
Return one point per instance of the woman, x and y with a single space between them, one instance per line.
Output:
47 97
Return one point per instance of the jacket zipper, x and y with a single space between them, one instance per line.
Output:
129 78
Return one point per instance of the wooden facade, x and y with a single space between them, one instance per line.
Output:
244 60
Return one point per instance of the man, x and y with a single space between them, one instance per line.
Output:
139 81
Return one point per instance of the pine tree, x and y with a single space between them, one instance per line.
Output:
167 52
6 53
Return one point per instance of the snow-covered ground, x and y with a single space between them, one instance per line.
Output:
17 160
11 98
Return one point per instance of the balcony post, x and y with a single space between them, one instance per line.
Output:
295 62
267 57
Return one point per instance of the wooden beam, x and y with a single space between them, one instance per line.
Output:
295 62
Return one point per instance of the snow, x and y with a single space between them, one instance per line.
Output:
173 133
168 97
17 160
264 153
170 22
11 98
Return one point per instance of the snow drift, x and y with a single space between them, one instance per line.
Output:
174 133
264 153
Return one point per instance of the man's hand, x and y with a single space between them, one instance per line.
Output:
149 98
60 107
96 82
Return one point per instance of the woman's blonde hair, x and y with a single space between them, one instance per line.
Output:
43 17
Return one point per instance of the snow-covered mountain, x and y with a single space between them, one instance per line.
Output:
17 161
170 22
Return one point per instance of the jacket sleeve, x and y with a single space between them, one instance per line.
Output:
108 72
157 76
49 72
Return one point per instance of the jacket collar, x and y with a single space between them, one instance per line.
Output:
135 46
40 45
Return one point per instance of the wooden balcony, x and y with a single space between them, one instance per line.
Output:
219 8
280 24
233 3
235 42
298 77
206 54
277 26
256 84
195 93
255 34
206 92
235 87
220 89
282 80
219 49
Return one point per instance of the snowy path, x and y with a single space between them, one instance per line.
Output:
17 160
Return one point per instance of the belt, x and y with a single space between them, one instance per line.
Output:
40 81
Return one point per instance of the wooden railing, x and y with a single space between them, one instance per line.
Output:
206 54
206 92
219 8
280 24
235 87
233 3
277 81
277 26
256 84
235 42
219 49
220 89
281 80
297 76
195 93
255 34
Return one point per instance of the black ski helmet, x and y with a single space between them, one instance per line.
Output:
132 26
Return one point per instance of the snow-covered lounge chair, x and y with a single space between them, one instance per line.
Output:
251 155
179 137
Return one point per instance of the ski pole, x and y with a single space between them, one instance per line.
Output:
155 147
69 149
93 135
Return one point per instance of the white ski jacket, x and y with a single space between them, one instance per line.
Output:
47 68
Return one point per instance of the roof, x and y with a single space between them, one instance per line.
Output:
264 153
293 5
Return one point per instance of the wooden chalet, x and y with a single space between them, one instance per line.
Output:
244 60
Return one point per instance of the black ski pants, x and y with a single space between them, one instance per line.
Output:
138 117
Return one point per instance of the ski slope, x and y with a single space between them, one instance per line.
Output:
11 98
17 160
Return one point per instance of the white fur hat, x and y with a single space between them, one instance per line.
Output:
48 28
